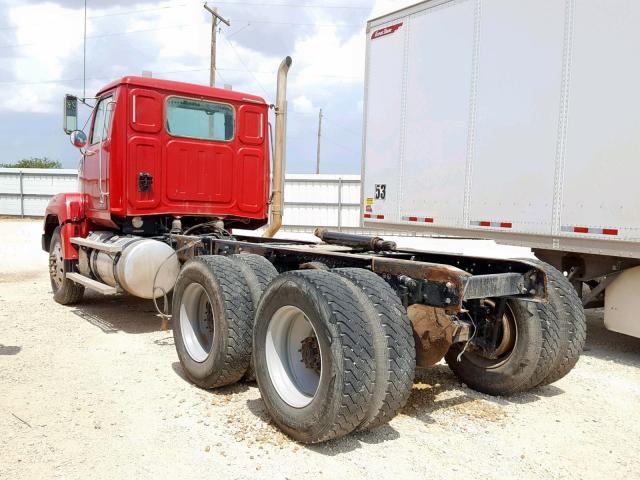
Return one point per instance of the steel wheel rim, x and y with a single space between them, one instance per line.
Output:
294 381
56 265
197 322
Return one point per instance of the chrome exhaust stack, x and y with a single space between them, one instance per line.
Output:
277 187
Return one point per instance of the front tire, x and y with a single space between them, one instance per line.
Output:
65 291
313 355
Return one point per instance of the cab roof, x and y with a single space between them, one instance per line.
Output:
184 88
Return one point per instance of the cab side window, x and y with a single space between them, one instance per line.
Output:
102 120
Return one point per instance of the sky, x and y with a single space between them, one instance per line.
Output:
41 59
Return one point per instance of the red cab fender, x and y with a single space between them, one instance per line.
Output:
67 211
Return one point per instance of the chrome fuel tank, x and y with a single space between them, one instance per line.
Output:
136 265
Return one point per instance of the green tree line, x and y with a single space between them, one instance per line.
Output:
33 162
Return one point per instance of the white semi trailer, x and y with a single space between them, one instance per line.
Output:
513 120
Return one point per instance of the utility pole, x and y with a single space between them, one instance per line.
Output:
214 30
319 135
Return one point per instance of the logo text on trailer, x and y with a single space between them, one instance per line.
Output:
385 31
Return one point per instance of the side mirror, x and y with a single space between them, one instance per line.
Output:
70 114
78 138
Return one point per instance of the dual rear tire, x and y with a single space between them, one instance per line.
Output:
547 340
212 321
531 347
334 351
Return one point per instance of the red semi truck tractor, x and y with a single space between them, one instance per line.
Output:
332 331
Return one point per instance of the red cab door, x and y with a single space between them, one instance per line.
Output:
94 173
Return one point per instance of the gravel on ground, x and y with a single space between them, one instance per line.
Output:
96 391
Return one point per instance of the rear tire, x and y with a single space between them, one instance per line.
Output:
314 357
564 300
258 273
529 359
212 321
393 344
65 291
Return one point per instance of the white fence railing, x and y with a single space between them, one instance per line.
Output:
310 200
26 191
321 201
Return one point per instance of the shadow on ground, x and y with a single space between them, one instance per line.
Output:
122 313
9 349
436 392
438 396
611 346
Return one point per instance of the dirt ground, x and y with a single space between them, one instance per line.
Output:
96 391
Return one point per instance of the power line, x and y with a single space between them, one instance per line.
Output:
249 22
296 5
170 27
104 78
297 74
245 65
331 142
180 5
185 70
141 10
104 15
111 34
224 80
342 127
305 24
238 30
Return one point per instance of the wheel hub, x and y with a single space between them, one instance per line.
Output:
293 356
197 323
310 352
497 337
205 324
56 265
508 338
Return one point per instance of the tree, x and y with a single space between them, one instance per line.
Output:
34 162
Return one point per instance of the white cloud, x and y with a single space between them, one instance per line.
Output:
45 47
172 40
301 104
169 38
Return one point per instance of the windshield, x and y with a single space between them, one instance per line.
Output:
192 118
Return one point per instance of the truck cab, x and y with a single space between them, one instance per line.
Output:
158 149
